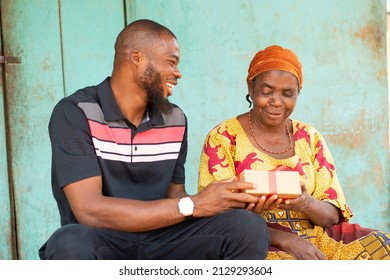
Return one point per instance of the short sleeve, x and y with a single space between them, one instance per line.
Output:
73 153
217 158
327 186
178 176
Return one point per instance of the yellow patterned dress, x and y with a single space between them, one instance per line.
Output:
227 151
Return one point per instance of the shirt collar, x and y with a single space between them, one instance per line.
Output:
111 109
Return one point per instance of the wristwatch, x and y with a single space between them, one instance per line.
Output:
186 207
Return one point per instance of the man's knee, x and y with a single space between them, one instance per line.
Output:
248 232
71 242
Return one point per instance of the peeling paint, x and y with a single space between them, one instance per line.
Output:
357 133
382 74
373 36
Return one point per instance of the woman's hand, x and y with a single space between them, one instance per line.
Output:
299 204
265 203
299 248
319 212
302 249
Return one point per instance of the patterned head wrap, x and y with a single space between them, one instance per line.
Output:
275 58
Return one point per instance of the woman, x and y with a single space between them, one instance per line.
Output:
314 225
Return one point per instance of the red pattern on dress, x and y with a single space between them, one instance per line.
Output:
322 161
212 153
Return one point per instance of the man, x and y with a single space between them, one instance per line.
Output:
119 150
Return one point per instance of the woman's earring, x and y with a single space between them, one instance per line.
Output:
249 98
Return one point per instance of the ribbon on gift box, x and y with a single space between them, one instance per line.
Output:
272 182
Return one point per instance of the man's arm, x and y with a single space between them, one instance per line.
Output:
92 208
176 190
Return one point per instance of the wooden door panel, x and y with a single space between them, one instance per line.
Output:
63 45
6 239
32 89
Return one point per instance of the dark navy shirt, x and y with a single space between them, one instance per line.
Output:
91 137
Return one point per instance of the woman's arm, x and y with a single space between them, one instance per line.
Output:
319 212
298 247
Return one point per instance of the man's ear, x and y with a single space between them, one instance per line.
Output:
136 57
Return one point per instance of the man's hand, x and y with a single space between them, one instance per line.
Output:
221 196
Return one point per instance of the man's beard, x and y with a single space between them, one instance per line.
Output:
152 83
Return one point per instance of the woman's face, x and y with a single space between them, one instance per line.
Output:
274 94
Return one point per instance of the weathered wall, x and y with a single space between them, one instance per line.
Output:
65 45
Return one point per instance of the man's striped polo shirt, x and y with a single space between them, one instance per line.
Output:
91 137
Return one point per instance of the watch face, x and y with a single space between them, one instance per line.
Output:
186 206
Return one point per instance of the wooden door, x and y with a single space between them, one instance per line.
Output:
6 228
63 45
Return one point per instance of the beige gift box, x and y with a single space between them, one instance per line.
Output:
285 184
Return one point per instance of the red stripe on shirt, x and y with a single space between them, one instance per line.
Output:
123 135
160 135
112 134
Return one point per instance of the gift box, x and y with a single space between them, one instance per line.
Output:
285 184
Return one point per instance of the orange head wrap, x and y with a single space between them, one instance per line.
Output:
275 58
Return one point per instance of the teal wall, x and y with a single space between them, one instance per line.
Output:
65 45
